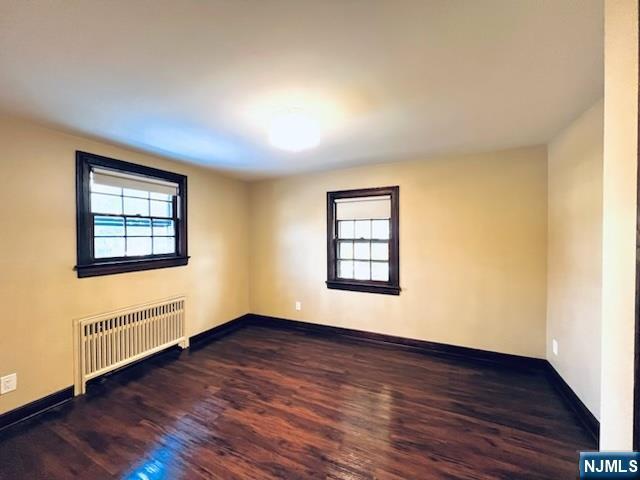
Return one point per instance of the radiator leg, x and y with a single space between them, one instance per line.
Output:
184 343
80 388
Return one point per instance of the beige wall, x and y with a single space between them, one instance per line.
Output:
574 263
40 293
619 229
472 251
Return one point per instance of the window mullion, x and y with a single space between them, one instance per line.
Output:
335 236
93 234
126 232
174 215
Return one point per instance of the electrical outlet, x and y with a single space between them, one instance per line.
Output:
298 306
554 346
8 383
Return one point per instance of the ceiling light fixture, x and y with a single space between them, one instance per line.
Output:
294 130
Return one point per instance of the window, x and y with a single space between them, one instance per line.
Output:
362 240
129 217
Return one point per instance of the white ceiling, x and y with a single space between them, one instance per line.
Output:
392 79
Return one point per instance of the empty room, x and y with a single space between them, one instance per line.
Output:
304 239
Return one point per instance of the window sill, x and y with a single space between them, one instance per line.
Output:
111 268
363 287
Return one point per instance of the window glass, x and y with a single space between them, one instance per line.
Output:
138 246
363 229
161 209
138 227
380 251
164 245
108 226
362 250
346 229
380 271
380 229
132 236
346 250
105 247
362 270
163 227
345 269
136 206
101 203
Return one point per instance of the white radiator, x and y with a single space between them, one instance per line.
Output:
109 341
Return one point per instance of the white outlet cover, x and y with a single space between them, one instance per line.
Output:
298 306
554 346
8 383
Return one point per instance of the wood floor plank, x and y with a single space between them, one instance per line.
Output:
267 403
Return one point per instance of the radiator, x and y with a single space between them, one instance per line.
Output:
112 340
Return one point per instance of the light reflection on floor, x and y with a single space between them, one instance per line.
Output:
166 460
160 461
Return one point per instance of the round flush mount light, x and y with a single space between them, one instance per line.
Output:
294 130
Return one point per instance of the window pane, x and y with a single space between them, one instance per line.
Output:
345 269
106 204
380 271
346 250
128 192
96 187
136 206
164 245
345 229
361 250
161 209
160 196
105 247
363 228
138 227
380 251
380 229
361 270
163 227
137 246
108 226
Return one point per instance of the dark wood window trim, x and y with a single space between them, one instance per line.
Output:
87 266
392 287
636 380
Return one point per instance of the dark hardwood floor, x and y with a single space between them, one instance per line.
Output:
266 403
